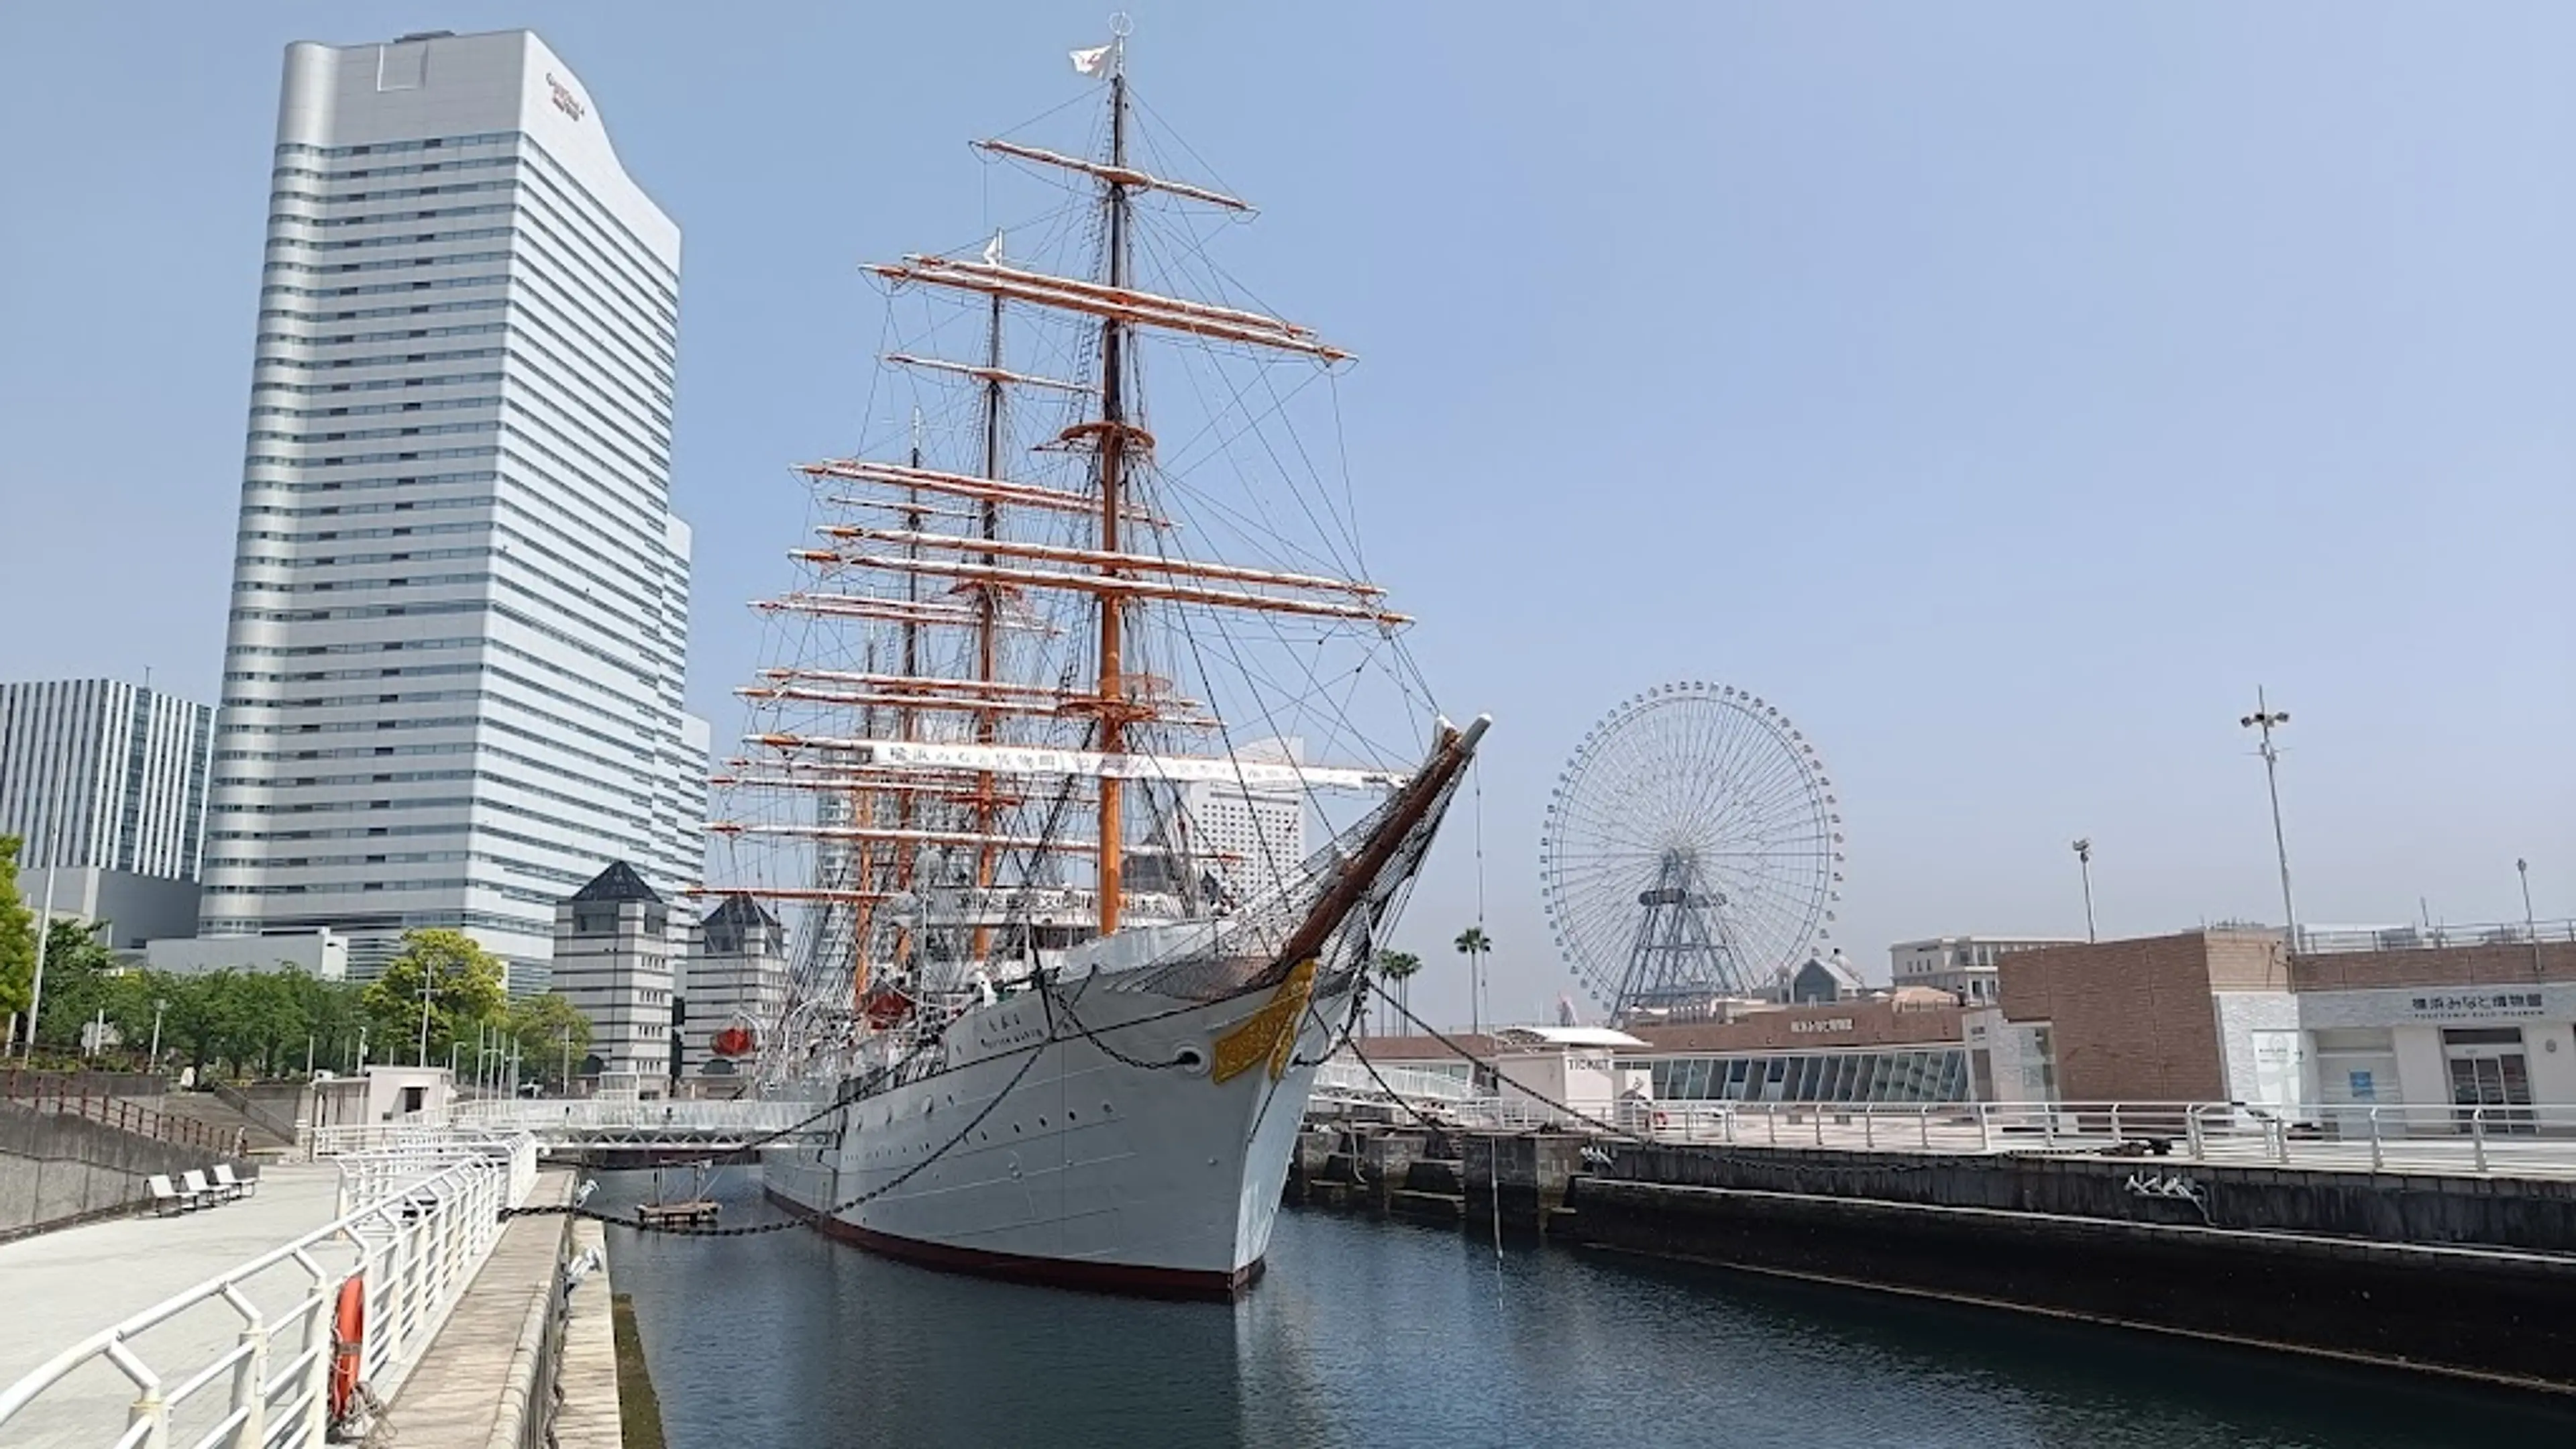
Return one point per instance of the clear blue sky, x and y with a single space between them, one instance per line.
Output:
2003 390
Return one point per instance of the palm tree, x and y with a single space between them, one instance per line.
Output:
1398 967
1473 943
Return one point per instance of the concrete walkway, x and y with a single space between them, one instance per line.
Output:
487 1378
61 1287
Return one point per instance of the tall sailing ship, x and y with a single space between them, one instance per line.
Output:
1054 714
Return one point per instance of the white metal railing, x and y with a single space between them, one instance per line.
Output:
2335 940
385 1172
600 1117
2430 1137
413 1250
1342 1078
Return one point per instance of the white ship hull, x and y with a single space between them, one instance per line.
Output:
1092 1168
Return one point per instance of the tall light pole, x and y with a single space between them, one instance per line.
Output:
2530 926
159 1005
44 924
2084 863
2266 719
428 985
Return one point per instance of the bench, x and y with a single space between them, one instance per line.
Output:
232 1186
167 1199
194 1183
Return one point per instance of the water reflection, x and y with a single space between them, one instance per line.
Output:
1370 1334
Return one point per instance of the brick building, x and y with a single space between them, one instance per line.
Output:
2204 1016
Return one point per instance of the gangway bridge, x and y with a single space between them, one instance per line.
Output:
630 1132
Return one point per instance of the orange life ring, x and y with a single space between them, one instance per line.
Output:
348 1338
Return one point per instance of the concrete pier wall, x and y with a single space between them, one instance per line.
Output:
56 1170
2478 1313
2459 1275
2530 1214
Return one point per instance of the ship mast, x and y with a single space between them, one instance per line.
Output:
988 610
957 792
1113 438
907 718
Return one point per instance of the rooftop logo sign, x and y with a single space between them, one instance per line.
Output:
565 100
1827 1023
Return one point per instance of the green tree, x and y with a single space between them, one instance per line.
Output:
331 1011
1475 945
1398 968
193 1025
17 937
538 1026
464 985
80 980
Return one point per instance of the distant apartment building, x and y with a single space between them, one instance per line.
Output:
104 783
453 674
1253 836
736 975
1964 966
613 961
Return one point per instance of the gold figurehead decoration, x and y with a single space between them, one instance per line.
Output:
1269 1033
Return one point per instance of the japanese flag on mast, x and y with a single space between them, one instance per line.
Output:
1095 61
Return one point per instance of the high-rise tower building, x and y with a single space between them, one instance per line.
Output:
104 784
452 683
1255 835
106 775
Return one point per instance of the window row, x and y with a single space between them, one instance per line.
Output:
398 148
359 410
387 218
377 289
378 384
1935 1075
390 359
363 314
344 339
451 259
408 239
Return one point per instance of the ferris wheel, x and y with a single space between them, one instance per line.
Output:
1692 850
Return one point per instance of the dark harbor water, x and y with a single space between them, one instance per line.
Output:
1369 1333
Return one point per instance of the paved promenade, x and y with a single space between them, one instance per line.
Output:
61 1287
487 1374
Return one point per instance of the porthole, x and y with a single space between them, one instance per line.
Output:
1190 1059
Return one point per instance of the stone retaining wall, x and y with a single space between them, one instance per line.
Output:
56 1169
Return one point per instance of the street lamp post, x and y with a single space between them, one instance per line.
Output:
2530 925
2084 863
362 1048
159 1005
44 925
428 984
2266 718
